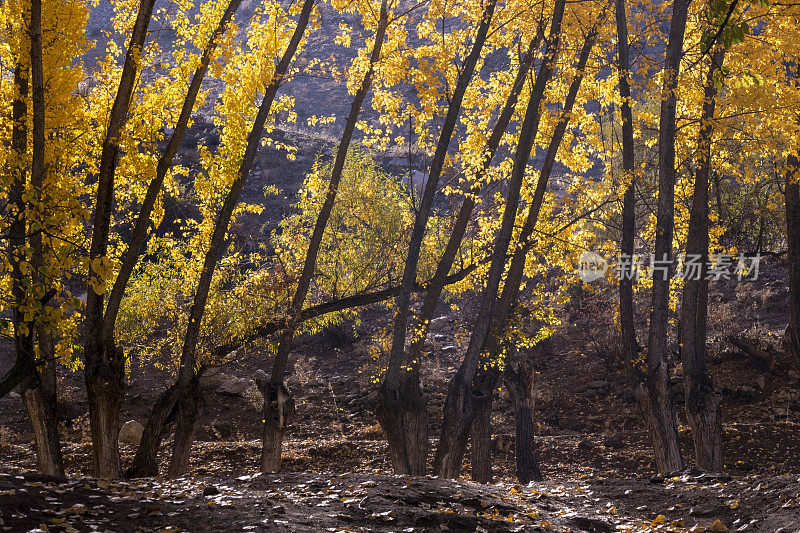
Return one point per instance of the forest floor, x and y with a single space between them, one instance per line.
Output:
592 446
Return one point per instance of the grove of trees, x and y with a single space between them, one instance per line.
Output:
632 129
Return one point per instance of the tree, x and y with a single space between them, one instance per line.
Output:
189 394
655 395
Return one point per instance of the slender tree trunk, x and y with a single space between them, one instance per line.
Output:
189 400
104 365
520 380
139 233
400 409
145 462
276 395
630 346
39 387
656 391
792 201
702 404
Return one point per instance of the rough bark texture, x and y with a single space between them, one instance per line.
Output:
660 411
145 462
278 412
630 346
484 386
520 380
702 404
400 409
189 396
792 201
103 364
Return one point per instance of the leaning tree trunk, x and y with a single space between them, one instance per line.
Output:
702 404
520 379
189 399
276 395
400 407
145 462
656 391
792 201
104 366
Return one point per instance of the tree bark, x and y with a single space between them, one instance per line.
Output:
400 408
657 391
484 385
104 365
702 404
520 380
792 202
189 397
276 395
630 346
145 462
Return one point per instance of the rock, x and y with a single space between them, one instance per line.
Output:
572 424
597 384
13 394
211 490
592 525
760 382
233 387
131 432
585 444
612 441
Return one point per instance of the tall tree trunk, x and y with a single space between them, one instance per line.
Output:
489 328
520 378
702 404
39 387
630 346
400 408
189 391
104 365
276 395
145 462
792 202
660 412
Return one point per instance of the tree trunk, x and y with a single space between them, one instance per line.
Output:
139 233
103 365
277 396
484 386
630 346
399 408
521 380
39 396
145 462
661 407
459 409
189 399
792 201
278 412
190 410
702 404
